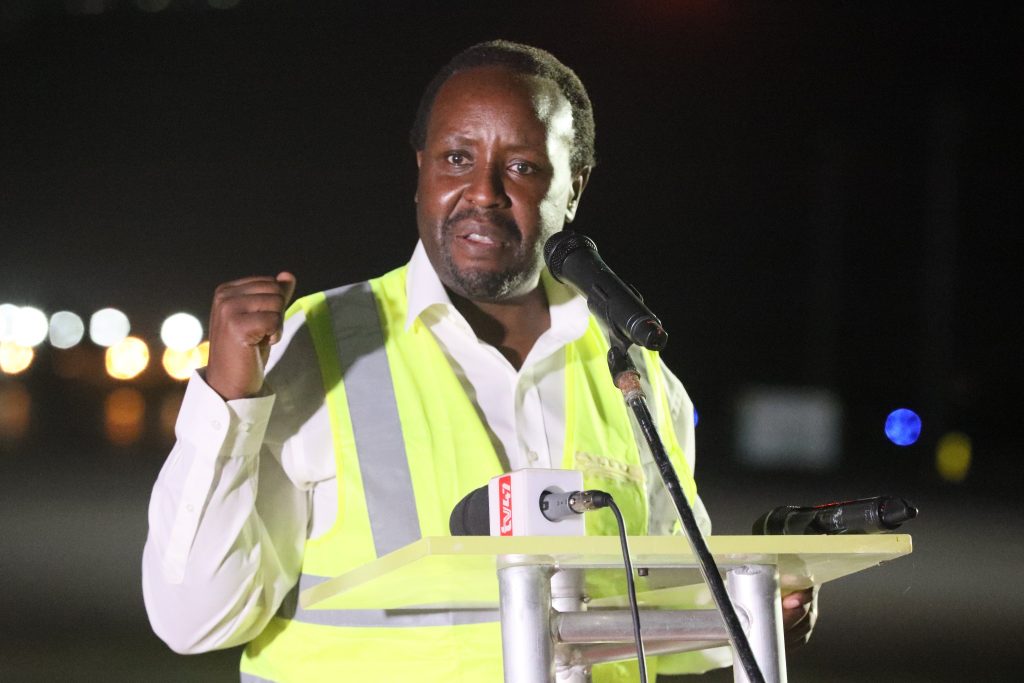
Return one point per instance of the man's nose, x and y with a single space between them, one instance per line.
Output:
487 188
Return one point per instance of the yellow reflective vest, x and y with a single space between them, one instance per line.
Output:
408 445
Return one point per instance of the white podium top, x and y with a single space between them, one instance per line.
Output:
446 572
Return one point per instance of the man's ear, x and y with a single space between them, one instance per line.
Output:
579 182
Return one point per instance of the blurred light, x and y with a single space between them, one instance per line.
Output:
123 413
66 329
108 326
789 427
15 358
15 411
180 364
953 456
7 314
30 326
696 416
903 427
181 332
127 358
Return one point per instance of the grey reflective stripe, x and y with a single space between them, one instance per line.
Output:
249 678
387 483
290 609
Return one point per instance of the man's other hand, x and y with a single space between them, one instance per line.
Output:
799 612
246 318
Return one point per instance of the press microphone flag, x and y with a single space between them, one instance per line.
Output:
527 502
572 259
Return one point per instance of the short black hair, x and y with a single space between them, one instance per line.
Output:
523 59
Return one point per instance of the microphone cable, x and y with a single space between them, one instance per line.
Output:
600 499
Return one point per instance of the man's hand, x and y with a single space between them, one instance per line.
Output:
799 612
246 318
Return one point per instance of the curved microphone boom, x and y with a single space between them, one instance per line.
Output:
572 259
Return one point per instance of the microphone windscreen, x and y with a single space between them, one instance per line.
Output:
472 515
560 245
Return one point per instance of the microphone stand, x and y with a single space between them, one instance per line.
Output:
627 379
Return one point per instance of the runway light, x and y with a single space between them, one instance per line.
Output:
903 427
7 314
181 332
66 329
15 411
123 413
180 364
15 358
127 358
953 456
108 326
30 327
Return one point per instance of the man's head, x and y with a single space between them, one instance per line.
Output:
526 60
502 163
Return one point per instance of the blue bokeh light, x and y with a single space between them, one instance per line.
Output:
903 426
696 417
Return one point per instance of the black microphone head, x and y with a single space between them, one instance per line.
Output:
471 515
560 245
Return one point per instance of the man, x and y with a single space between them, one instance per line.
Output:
386 402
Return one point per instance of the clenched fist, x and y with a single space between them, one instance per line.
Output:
245 319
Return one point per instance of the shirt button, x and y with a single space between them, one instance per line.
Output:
215 424
531 456
190 507
245 427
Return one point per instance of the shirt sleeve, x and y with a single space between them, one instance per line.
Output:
215 568
663 515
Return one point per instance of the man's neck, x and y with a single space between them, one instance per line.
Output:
512 326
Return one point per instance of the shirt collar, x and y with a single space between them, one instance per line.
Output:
423 290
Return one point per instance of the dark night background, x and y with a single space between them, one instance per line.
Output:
809 195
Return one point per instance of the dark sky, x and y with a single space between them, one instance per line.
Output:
807 194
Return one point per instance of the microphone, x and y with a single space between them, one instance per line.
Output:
527 502
863 516
560 505
572 259
471 516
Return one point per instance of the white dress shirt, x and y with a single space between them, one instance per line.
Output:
219 559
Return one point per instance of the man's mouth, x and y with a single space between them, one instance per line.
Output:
480 238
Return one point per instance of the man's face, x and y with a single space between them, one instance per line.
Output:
494 181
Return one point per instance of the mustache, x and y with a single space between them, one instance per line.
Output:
506 224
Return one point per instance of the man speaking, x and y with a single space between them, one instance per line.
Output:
382 404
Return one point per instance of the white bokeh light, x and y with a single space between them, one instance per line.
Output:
108 326
66 329
181 332
30 327
7 314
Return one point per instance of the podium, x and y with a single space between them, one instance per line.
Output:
562 599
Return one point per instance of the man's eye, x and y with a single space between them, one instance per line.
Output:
456 159
523 168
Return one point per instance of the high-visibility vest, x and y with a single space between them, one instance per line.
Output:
408 445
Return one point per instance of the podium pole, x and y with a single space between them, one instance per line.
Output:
754 590
528 648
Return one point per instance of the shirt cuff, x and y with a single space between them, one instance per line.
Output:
236 427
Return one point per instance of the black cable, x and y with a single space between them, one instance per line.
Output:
631 589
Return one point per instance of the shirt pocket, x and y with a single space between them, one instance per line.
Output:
625 482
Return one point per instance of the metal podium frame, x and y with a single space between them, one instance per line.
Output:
562 600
